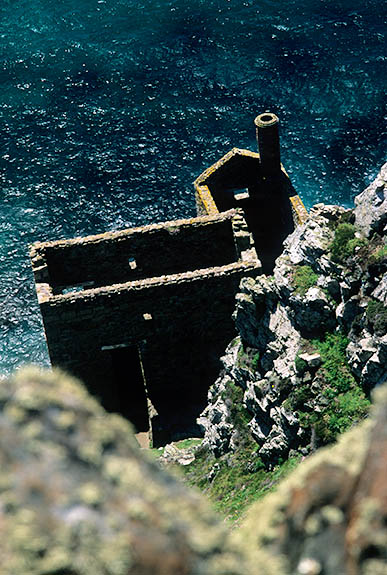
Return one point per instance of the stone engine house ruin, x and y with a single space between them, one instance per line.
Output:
145 331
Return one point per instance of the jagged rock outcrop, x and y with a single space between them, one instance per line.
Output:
330 516
371 206
78 497
316 330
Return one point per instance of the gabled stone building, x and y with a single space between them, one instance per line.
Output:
143 315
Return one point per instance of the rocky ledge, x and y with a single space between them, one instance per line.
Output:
312 338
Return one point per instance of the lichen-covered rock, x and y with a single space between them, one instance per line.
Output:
371 205
330 516
367 357
173 454
276 432
77 496
311 240
380 292
256 300
313 313
217 422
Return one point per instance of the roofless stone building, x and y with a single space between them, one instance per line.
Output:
142 315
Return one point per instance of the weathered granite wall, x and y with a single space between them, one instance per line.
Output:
137 253
159 338
183 323
270 205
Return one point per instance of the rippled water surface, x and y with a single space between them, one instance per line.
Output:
110 109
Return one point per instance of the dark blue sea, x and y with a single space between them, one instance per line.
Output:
111 108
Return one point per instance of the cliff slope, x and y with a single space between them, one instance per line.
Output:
312 338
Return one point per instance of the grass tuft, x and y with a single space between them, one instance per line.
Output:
303 279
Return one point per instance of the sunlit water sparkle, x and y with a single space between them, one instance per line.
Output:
111 108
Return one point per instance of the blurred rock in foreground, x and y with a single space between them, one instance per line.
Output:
330 516
78 497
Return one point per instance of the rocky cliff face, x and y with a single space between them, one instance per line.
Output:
312 338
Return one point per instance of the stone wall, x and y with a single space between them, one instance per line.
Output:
137 253
177 325
270 205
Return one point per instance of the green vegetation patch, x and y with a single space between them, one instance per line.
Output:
379 255
342 403
239 416
335 369
345 243
303 279
248 358
344 218
300 364
233 482
187 443
182 444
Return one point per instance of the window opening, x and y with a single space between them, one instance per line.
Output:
240 195
132 263
77 287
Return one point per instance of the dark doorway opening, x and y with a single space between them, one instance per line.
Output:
129 386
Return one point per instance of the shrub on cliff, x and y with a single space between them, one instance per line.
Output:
339 400
345 243
377 316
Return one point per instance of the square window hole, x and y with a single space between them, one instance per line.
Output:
132 263
240 195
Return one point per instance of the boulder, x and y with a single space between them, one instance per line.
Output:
380 292
175 455
310 241
78 495
347 311
254 302
312 360
313 313
367 357
371 206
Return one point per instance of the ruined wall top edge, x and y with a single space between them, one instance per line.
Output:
247 267
140 230
204 176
